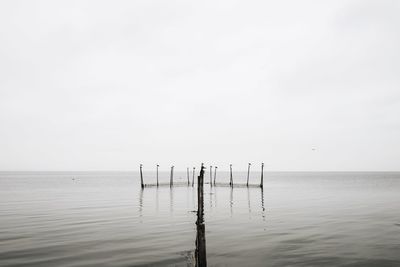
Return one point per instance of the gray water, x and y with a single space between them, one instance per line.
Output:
105 219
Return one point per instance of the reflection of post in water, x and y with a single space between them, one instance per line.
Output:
157 202
171 199
215 196
248 201
188 199
211 196
231 201
200 253
193 197
262 204
141 204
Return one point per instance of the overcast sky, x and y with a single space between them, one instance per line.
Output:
106 85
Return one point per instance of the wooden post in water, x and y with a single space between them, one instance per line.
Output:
194 170
171 179
231 177
215 173
200 253
141 176
187 172
210 175
200 195
157 173
248 174
262 175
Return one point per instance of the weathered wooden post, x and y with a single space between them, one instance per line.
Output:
141 176
194 170
171 180
157 173
210 175
262 175
215 173
231 177
200 195
248 174
200 253
187 172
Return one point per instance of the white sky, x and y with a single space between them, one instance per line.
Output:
106 85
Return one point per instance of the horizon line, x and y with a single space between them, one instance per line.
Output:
244 170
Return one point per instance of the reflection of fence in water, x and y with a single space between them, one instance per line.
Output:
246 199
234 199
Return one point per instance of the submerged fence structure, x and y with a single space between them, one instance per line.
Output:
212 182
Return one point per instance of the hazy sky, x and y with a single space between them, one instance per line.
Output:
106 85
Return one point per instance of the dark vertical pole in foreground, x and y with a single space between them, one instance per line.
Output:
210 175
231 178
194 170
201 256
262 175
157 173
248 174
141 176
187 171
171 180
215 173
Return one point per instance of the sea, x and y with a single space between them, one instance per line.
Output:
67 219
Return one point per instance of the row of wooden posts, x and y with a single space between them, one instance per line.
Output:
212 183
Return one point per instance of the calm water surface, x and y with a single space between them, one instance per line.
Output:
105 219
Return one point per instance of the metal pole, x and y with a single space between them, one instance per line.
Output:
187 172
